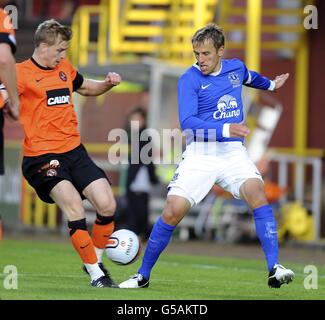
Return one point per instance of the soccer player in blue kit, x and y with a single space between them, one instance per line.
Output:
211 116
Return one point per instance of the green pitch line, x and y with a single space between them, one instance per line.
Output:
50 271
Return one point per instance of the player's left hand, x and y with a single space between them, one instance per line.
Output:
280 80
113 79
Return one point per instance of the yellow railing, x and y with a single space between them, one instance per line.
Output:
250 17
184 19
81 44
159 28
253 34
163 28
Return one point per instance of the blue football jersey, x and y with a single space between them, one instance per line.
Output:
207 102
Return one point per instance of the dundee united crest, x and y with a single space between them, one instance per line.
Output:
63 76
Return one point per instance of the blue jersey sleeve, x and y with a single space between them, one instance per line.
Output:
255 80
188 109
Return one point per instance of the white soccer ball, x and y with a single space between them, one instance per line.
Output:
123 247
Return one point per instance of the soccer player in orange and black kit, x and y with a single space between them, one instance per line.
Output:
7 79
55 162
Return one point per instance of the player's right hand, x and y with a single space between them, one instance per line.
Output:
11 110
113 78
14 111
238 130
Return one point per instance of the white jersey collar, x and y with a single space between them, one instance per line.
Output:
211 74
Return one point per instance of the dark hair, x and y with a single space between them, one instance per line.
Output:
211 31
49 31
139 110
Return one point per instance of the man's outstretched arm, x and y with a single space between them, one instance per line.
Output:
92 87
255 80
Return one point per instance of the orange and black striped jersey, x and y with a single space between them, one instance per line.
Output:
7 35
46 110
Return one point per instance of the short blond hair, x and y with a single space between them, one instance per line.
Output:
49 31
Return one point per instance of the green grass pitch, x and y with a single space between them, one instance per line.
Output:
51 271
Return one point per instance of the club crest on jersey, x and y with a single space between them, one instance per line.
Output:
58 97
234 79
227 107
63 76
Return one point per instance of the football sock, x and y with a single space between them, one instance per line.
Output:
99 254
81 241
158 241
94 271
103 227
83 244
267 233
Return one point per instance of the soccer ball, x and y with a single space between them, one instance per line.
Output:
123 247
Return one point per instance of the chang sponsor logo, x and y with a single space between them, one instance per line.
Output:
227 107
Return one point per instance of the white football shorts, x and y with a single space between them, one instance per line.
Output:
207 163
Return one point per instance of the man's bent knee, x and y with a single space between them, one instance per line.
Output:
107 208
175 209
252 191
74 210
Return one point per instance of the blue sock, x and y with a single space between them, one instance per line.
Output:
158 241
267 233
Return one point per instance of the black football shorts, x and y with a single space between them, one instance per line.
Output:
45 171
